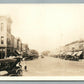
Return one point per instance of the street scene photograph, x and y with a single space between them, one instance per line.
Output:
41 40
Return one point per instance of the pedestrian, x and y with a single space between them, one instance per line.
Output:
25 67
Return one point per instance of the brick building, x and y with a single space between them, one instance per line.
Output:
5 36
9 45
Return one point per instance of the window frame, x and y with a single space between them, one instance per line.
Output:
2 39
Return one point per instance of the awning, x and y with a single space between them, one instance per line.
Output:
79 53
75 53
17 52
69 53
7 60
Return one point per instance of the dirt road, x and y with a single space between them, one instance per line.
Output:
49 66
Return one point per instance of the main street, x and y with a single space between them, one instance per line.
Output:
49 66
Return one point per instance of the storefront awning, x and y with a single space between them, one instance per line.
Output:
69 53
17 52
75 53
79 53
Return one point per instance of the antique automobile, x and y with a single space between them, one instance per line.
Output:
42 56
75 56
69 56
12 66
31 56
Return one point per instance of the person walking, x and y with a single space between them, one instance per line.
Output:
25 67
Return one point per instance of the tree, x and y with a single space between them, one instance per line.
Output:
45 53
33 53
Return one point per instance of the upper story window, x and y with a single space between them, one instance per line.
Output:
8 41
1 26
2 40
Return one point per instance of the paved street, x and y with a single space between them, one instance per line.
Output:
50 66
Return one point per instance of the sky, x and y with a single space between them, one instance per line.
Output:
45 26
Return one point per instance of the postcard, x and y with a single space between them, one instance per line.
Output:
42 41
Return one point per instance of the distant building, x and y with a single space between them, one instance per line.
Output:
75 46
25 48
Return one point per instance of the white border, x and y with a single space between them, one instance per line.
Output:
43 78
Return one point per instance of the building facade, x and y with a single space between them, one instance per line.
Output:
9 45
5 35
25 50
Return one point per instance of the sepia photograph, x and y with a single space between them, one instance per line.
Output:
41 40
